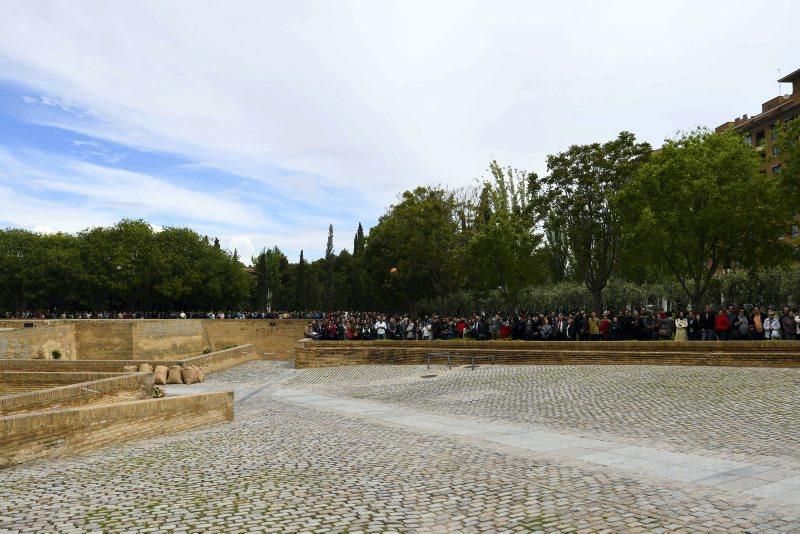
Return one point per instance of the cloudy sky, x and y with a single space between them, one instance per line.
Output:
263 122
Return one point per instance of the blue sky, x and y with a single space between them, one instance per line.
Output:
263 122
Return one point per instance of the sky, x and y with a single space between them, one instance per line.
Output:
262 122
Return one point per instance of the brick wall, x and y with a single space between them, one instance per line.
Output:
55 433
310 353
103 391
39 342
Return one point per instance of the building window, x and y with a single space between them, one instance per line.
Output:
795 231
776 169
776 150
761 138
748 139
775 132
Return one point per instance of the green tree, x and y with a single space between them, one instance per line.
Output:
413 252
502 248
269 266
582 185
701 204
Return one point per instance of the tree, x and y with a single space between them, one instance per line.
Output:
789 177
502 249
556 249
328 295
359 241
582 185
300 284
413 252
268 266
701 204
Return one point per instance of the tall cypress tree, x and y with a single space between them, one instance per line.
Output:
300 287
329 265
358 241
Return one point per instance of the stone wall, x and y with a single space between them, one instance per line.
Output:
131 339
18 381
55 433
39 342
103 391
211 362
309 353
276 336
104 340
223 359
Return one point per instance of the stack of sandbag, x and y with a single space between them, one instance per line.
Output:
160 372
145 368
129 369
189 375
174 375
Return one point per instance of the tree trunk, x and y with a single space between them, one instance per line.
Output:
597 300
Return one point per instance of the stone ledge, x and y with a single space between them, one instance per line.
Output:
215 361
102 391
56 433
309 353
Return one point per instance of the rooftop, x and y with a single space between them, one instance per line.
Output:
789 78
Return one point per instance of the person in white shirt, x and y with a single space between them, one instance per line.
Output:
380 328
681 324
427 331
772 326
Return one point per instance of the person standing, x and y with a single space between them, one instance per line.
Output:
694 330
757 323
788 325
681 325
594 327
722 326
772 326
380 328
742 325
707 323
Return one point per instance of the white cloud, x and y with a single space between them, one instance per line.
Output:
123 191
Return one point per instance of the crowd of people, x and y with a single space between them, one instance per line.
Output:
724 323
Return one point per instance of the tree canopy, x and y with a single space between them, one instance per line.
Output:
701 205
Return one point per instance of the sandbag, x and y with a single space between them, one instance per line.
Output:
188 375
160 374
201 375
174 375
145 368
129 369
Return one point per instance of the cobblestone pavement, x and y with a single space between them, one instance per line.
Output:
281 467
744 414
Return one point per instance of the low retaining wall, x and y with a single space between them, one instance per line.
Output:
62 432
103 391
211 362
309 353
19 381
222 359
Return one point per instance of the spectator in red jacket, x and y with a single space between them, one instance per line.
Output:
722 326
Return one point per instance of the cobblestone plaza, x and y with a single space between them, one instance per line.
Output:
407 449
